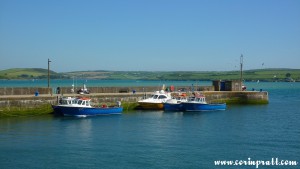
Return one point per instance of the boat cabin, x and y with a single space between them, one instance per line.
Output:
67 101
84 102
159 96
71 101
180 99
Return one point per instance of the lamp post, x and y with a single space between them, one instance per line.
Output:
241 62
49 76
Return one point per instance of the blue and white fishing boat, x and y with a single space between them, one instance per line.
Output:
81 107
174 104
198 103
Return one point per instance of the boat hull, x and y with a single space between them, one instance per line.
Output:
203 107
151 106
86 111
173 107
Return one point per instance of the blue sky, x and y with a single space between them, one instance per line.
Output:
149 35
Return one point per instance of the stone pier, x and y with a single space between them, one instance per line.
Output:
27 100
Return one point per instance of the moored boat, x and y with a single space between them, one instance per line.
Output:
198 103
174 104
82 107
155 102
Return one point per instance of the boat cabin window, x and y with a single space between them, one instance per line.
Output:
155 96
64 102
87 103
162 97
80 102
192 99
74 101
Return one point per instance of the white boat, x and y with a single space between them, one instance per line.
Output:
155 102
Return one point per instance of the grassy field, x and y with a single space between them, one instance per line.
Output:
27 73
248 75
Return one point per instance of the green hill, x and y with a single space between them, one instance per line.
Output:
248 75
27 73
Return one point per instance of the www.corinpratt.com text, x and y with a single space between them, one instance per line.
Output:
256 163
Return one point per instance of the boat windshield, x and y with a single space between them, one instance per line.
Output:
84 102
155 97
74 101
80 102
66 101
162 97
192 99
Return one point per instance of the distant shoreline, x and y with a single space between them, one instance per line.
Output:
262 75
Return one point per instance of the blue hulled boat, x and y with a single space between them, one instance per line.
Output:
173 107
199 104
81 107
174 104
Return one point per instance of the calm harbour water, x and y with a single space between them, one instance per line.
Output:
157 139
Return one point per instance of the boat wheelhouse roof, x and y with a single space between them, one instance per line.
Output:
75 101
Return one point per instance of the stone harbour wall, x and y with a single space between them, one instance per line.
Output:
238 97
242 97
27 100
